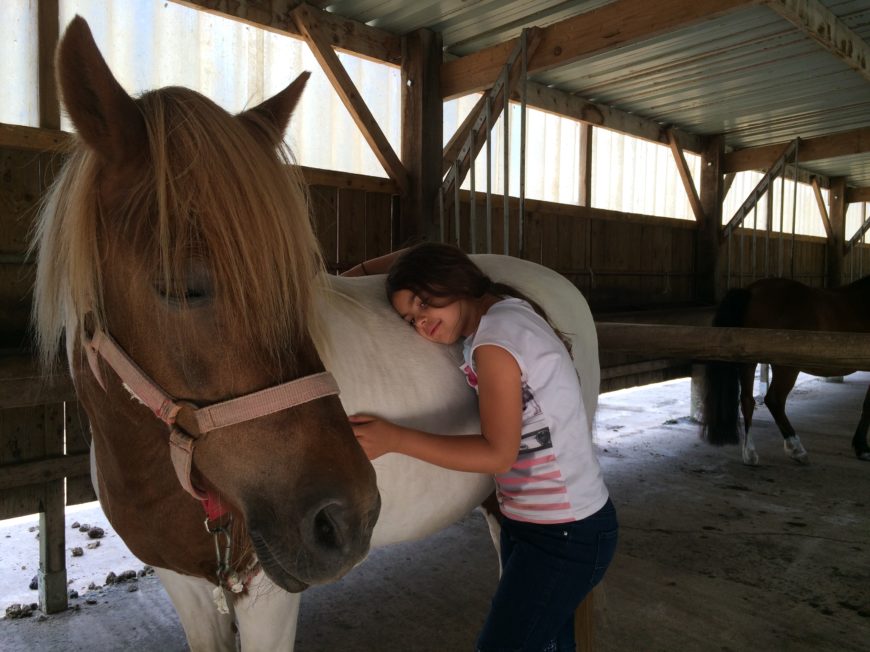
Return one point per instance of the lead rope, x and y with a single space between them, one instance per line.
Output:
224 578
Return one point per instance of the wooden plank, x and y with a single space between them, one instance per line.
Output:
23 384
613 25
345 34
46 469
843 143
822 25
857 194
820 202
318 39
321 177
78 484
33 138
351 228
324 209
585 165
802 349
553 100
686 177
378 227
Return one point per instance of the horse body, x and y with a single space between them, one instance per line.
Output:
788 305
180 234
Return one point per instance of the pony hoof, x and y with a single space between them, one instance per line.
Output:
750 458
864 456
795 450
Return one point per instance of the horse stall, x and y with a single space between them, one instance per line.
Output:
702 147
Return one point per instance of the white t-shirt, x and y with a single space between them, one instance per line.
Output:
556 477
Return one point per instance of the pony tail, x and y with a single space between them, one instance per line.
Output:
722 379
505 290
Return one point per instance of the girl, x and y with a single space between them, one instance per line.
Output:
559 528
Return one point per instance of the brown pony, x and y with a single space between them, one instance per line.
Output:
182 233
781 304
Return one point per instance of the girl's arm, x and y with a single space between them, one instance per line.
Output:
493 451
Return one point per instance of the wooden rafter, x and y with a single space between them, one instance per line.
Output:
787 154
822 25
860 233
614 25
686 177
843 143
471 135
33 138
858 194
820 202
318 39
344 34
559 102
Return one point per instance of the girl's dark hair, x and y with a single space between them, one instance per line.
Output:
443 271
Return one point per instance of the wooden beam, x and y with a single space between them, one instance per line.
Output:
823 26
49 30
707 236
457 140
47 469
686 177
275 15
348 180
843 143
565 104
318 39
422 122
859 234
475 138
585 168
857 194
614 25
24 384
836 242
33 138
778 167
802 349
820 202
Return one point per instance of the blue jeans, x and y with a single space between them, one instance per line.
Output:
547 570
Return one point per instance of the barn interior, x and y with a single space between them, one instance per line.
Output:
710 144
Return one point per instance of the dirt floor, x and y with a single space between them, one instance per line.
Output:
713 555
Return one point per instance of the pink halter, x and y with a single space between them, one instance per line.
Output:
199 420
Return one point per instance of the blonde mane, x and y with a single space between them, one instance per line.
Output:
212 187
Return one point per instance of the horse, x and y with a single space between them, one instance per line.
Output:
783 304
177 260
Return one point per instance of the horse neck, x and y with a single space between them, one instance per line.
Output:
136 483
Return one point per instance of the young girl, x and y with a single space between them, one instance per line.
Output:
559 528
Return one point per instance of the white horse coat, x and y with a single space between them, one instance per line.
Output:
385 368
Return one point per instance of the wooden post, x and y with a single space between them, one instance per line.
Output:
707 238
584 624
837 218
586 165
422 126
52 532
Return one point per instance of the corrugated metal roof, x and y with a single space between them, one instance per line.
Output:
750 74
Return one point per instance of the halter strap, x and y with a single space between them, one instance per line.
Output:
211 417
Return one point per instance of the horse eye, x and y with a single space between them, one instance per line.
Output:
194 289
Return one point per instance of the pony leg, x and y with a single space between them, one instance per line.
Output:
859 441
267 616
193 598
783 381
747 407
490 511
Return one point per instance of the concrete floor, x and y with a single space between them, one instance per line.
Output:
713 555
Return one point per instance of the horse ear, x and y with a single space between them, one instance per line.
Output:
106 118
276 111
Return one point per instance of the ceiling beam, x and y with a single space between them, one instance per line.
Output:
614 25
561 103
822 25
276 15
858 194
686 177
843 143
318 40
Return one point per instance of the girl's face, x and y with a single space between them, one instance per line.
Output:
444 323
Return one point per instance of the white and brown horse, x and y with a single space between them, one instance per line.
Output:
176 257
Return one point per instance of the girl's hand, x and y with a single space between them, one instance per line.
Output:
375 435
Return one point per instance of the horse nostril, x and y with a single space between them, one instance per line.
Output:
327 529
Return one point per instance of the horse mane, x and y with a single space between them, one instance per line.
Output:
212 186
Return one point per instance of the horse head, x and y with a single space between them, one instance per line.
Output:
181 232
